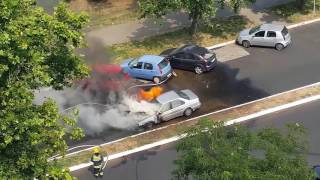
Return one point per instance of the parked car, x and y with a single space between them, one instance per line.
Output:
172 104
150 67
104 78
265 35
191 57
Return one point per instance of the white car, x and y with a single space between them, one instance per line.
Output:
173 104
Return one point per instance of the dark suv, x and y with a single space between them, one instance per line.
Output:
191 57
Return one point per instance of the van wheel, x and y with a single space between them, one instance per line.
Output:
246 44
156 80
198 69
149 125
279 46
188 112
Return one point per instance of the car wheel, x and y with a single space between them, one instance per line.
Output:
279 46
246 44
156 80
149 125
198 69
188 112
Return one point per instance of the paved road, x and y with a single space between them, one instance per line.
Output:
264 72
157 163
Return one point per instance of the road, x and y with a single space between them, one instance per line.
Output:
262 73
157 163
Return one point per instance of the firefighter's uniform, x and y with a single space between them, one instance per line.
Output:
97 160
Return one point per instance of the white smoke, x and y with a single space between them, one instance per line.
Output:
94 118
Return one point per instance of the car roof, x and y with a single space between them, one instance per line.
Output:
190 48
271 27
106 68
167 96
152 59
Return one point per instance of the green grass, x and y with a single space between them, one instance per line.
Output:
292 14
223 30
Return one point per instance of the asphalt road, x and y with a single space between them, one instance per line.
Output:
157 163
262 73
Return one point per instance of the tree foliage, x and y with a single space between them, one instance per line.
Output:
36 50
198 10
234 152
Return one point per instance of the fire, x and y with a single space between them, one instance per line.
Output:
151 94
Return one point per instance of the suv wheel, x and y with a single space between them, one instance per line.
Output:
246 44
198 69
279 46
188 112
156 80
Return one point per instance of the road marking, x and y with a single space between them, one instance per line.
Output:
230 122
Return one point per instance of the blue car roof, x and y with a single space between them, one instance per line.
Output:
152 59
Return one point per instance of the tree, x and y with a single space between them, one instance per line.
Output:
36 50
301 4
212 151
198 10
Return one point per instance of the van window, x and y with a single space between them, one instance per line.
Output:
164 63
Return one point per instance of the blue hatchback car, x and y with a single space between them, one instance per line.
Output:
150 67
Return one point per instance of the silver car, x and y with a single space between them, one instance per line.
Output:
173 104
265 35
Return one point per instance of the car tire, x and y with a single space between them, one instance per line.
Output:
246 44
149 125
188 112
279 46
198 69
156 80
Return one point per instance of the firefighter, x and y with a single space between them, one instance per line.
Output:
97 160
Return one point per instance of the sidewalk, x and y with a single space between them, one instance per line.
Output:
138 30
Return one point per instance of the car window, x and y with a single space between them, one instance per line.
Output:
176 103
188 56
164 63
271 34
255 29
180 56
165 107
260 34
148 66
137 65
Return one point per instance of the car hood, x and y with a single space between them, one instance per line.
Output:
125 63
244 32
144 121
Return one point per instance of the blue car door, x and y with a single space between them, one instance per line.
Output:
136 70
148 71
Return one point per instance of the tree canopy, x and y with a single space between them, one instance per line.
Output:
213 151
198 10
36 50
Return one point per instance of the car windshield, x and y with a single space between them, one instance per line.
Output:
133 61
164 63
183 95
253 30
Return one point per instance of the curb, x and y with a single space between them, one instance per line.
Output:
230 122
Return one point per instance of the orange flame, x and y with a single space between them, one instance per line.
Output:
151 94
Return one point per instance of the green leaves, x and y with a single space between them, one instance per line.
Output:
213 151
37 50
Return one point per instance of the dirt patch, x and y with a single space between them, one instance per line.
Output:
175 129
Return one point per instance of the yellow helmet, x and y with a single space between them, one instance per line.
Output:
96 149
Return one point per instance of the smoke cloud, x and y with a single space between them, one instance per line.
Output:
120 112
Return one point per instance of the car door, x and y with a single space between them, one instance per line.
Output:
178 107
258 39
189 61
136 70
148 71
176 61
164 112
271 39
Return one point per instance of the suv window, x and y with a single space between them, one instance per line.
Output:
271 34
176 103
148 66
260 34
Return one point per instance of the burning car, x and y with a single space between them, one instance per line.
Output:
105 78
172 104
